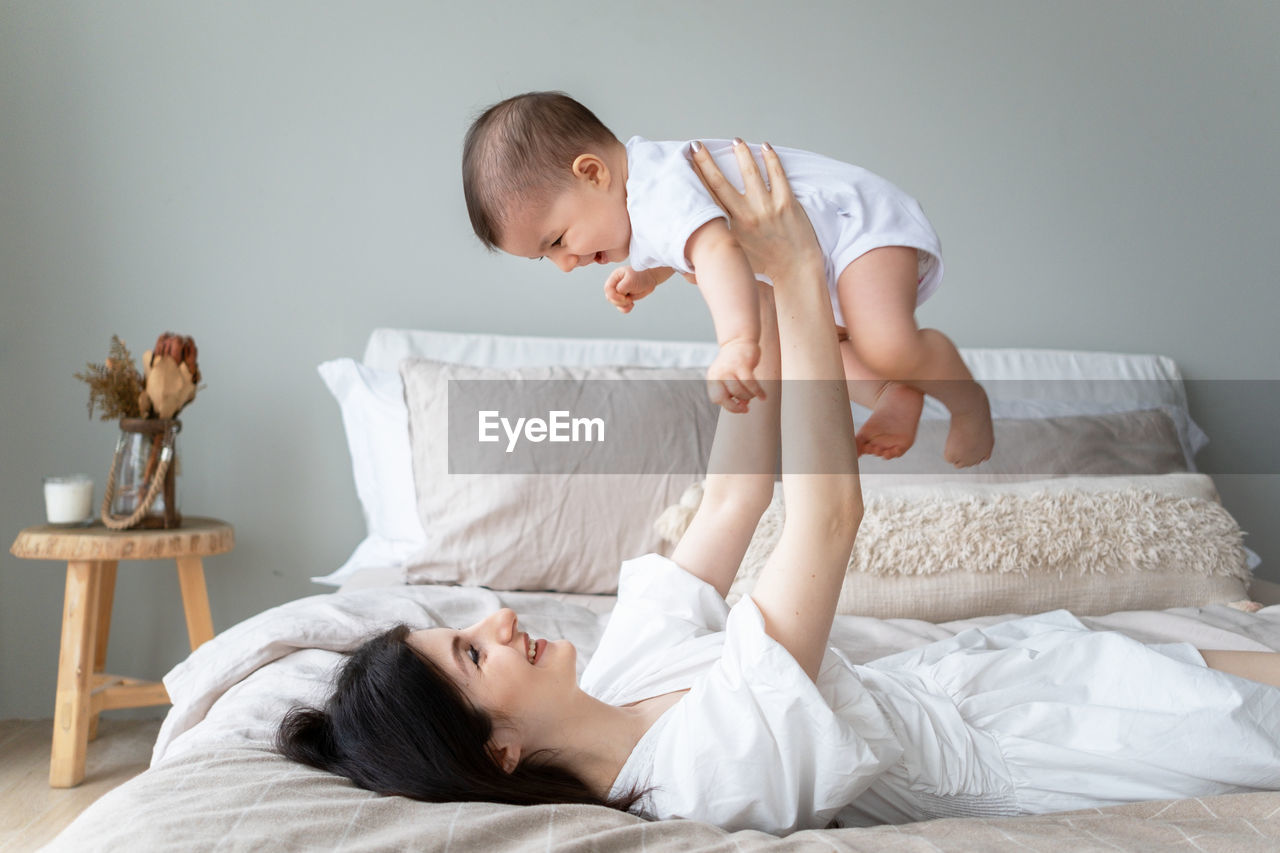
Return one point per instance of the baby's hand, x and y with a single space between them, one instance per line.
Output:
625 286
731 380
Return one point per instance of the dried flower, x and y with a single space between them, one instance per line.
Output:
180 349
168 382
170 376
113 386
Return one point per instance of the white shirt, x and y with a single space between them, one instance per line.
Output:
852 210
1034 715
754 743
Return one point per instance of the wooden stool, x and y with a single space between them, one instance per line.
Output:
92 554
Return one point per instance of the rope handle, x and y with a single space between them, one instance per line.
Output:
116 522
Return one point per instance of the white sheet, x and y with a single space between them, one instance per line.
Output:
235 688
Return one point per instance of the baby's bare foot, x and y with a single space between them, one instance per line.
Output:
971 437
890 430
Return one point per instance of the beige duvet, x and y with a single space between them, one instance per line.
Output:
215 784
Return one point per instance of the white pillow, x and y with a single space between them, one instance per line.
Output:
388 347
1022 383
377 426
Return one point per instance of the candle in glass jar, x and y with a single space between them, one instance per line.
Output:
68 500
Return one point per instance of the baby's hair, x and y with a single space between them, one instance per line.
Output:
519 150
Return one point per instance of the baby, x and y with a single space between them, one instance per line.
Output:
544 178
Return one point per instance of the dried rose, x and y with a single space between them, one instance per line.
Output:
181 349
169 386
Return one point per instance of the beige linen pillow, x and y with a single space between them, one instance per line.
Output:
1135 442
563 517
1091 545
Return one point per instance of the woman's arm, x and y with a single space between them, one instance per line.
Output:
740 474
1263 667
800 584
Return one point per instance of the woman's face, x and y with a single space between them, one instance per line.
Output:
502 670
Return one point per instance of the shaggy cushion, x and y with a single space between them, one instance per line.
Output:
1091 545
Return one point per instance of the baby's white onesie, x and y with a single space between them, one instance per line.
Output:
852 210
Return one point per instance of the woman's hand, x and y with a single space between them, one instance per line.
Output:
768 222
799 585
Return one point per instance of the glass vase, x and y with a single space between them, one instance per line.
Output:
147 450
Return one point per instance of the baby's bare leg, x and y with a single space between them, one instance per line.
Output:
895 408
878 298
1255 666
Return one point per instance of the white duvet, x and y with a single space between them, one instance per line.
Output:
234 689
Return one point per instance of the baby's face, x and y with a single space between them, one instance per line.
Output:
584 224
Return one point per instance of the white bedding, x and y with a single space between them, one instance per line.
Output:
216 783
1022 384
234 689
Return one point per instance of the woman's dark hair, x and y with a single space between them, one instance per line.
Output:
520 149
397 724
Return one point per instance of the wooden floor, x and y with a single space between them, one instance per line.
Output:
32 813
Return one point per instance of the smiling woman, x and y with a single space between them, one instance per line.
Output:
367 731
744 717
529 689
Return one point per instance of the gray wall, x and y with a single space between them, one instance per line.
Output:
276 179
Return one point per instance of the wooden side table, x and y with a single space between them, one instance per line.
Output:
92 554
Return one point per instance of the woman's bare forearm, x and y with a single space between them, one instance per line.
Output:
800 584
1262 667
740 475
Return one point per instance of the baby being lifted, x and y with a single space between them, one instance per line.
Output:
544 178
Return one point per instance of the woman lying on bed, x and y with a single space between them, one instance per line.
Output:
743 717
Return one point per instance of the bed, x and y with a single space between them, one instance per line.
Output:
1092 502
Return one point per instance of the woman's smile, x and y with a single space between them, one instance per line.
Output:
534 649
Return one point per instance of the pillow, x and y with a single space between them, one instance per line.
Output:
568 519
388 347
375 419
1090 382
371 396
1092 545
1141 442
1021 383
